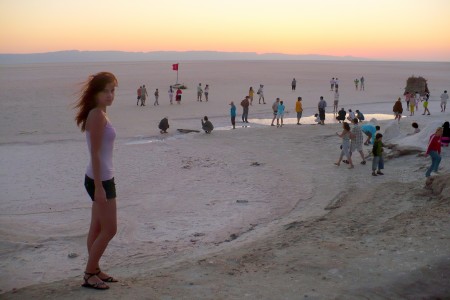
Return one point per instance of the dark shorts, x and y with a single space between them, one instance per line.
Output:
322 114
108 185
275 113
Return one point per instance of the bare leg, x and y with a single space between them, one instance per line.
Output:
102 230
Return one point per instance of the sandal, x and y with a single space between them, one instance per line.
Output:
97 286
107 279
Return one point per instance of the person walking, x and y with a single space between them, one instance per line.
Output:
398 109
97 94
299 109
233 114
345 135
361 81
434 151
357 140
280 114
321 106
260 92
425 107
245 104
275 110
139 95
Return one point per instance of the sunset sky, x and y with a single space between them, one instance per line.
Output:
381 29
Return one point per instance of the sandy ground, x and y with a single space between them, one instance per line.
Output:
383 237
253 213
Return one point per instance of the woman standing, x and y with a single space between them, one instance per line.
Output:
346 136
434 150
97 95
251 93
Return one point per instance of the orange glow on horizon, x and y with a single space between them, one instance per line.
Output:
352 28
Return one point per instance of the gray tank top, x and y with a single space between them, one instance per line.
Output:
106 153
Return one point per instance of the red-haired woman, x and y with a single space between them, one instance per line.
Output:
97 94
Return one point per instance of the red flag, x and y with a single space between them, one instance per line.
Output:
175 67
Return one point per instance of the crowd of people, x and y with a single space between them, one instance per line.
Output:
98 94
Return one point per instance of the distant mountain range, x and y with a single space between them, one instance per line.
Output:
174 56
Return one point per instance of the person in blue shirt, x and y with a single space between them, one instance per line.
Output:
233 114
280 114
369 130
359 115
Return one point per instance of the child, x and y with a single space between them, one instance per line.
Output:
416 128
425 107
317 120
377 155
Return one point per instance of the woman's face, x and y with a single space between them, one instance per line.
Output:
106 96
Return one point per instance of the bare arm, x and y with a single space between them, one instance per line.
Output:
95 124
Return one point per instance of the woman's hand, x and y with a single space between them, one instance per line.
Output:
100 195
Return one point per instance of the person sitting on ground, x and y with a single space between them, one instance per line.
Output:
341 115
359 115
370 131
163 125
207 126
351 115
317 120
416 128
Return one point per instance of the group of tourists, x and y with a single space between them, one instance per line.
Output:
412 104
142 95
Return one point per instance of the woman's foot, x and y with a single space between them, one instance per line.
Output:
337 164
105 277
91 280
351 167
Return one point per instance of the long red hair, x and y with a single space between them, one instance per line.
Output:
87 101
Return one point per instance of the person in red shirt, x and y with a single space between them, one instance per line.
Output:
178 95
434 150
